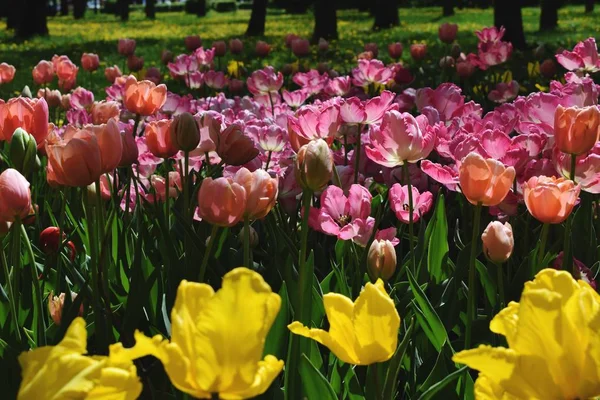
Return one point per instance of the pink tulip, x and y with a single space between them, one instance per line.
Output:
312 81
43 72
398 196
447 32
583 57
296 98
215 80
400 138
301 47
126 47
446 99
504 92
339 86
220 48
491 49
183 65
261 192
7 73
315 122
205 57
353 111
587 168
90 61
26 113
194 80
265 81
53 97
81 99
159 184
15 196
66 72
112 73
221 201
272 138
103 111
371 71
395 50
192 42
236 46
56 305
262 49
341 216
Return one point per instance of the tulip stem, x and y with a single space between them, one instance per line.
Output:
305 276
272 105
357 154
268 160
40 326
411 233
345 149
542 247
136 122
471 308
247 254
11 295
186 211
211 242
167 197
500 285
568 256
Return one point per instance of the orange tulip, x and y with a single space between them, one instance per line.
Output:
144 97
28 114
261 191
158 139
484 181
104 110
83 155
576 130
550 200
221 201
7 73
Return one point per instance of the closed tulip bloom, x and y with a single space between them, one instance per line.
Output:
236 46
66 71
221 201
576 130
261 192
192 42
56 305
498 241
217 339
144 97
363 332
550 200
158 139
7 73
485 181
373 48
90 61
262 48
74 160
28 114
400 138
398 196
63 371
418 51
395 50
220 48
130 151
553 347
112 73
234 147
185 132
301 47
126 47
15 196
135 63
103 111
314 165
447 32
50 242
43 72
381 259
52 97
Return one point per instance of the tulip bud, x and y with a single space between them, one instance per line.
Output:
185 133
220 48
418 51
322 67
135 63
498 241
130 150
166 56
15 196
192 42
23 150
253 236
262 48
314 165
234 147
301 47
236 85
548 68
153 75
236 46
372 47
26 92
381 259
49 242
395 50
539 51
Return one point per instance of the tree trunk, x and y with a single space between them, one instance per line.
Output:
549 15
589 6
256 26
201 12
64 7
448 8
386 14
325 21
297 6
150 9
79 7
12 17
31 19
123 6
507 13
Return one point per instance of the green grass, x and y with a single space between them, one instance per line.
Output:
99 33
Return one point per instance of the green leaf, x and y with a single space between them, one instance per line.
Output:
275 343
315 384
438 242
434 389
433 321
489 284
391 378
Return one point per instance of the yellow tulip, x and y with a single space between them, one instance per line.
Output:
217 338
361 333
553 336
63 372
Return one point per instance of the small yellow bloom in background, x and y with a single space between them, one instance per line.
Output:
362 333
63 372
233 68
553 336
217 338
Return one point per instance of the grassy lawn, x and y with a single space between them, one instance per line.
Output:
99 32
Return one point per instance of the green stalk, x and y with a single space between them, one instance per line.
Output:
542 248
471 308
186 211
247 255
167 197
411 233
268 160
136 122
568 255
211 242
39 329
11 294
357 154
500 285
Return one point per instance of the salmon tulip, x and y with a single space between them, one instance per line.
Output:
576 130
549 199
485 181
143 97
28 114
221 201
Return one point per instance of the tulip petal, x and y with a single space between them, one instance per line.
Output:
344 351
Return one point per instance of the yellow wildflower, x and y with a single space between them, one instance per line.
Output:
553 339
217 338
361 333
63 372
